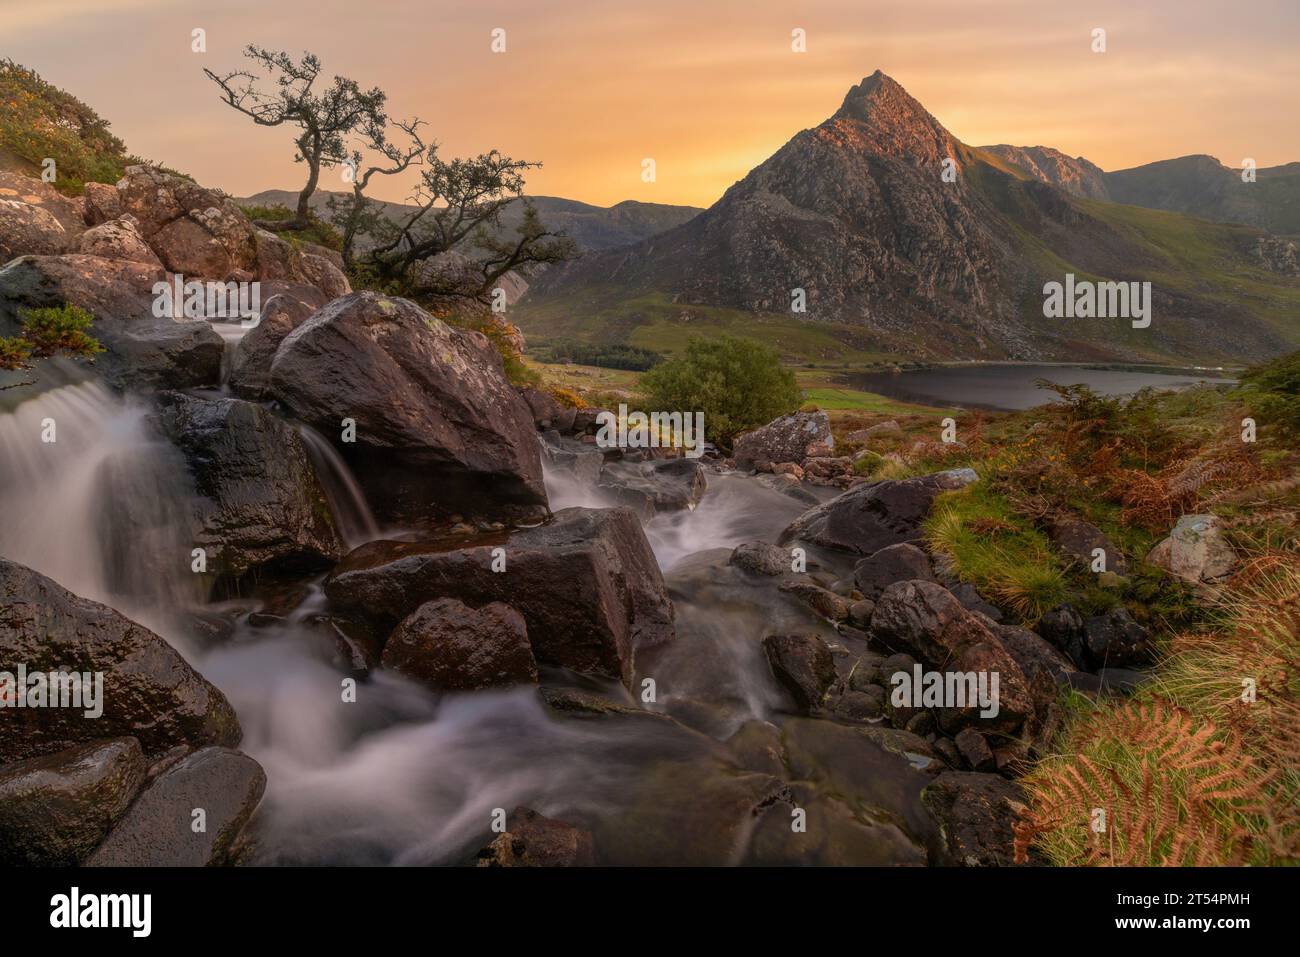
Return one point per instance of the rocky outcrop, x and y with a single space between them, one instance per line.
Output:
653 487
791 438
281 260
56 808
437 427
69 211
893 563
1079 540
531 840
260 502
102 203
447 646
250 363
118 239
28 230
870 517
977 815
220 787
149 692
142 351
586 583
1195 551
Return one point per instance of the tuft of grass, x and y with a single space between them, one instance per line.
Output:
319 232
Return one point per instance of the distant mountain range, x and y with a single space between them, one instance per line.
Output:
591 227
894 258
1200 186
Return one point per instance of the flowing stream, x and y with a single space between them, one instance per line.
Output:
401 776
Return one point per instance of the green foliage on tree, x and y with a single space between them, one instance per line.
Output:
50 331
738 384
39 121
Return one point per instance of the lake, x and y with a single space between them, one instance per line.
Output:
1011 387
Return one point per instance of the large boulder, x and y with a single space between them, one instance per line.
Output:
118 239
1195 551
281 260
874 515
196 232
448 646
250 363
926 620
142 350
760 558
149 692
791 438
1079 540
1115 638
437 425
586 583
893 563
655 486
28 230
160 828
68 210
56 808
260 503
102 203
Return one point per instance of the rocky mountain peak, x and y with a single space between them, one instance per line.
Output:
884 119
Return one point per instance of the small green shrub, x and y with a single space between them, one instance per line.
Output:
55 330
318 232
14 353
737 383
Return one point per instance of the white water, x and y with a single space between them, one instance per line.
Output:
356 523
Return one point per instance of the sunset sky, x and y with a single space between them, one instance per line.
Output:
708 88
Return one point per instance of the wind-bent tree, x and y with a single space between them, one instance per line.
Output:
325 118
459 204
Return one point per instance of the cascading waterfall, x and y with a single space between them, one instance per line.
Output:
352 513
91 498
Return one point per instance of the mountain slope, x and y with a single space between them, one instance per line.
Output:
1074 174
592 227
857 213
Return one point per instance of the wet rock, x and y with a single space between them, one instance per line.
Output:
158 829
802 664
760 558
861 705
974 749
143 351
757 747
825 603
261 504
250 363
56 808
790 438
1077 539
860 612
977 814
149 692
195 231
531 840
102 203
972 600
438 428
1033 653
571 458
447 646
1062 626
118 239
924 619
28 230
874 515
837 834
666 486
586 583
894 563
1116 639
1195 551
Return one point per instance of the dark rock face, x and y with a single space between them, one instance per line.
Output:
653 487
791 438
1116 639
586 583
149 692
142 351
159 829
250 365
545 408
977 814
760 558
261 503
1033 653
55 809
1062 626
437 425
875 515
447 646
974 750
821 600
894 563
924 619
803 665
535 841
1078 539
